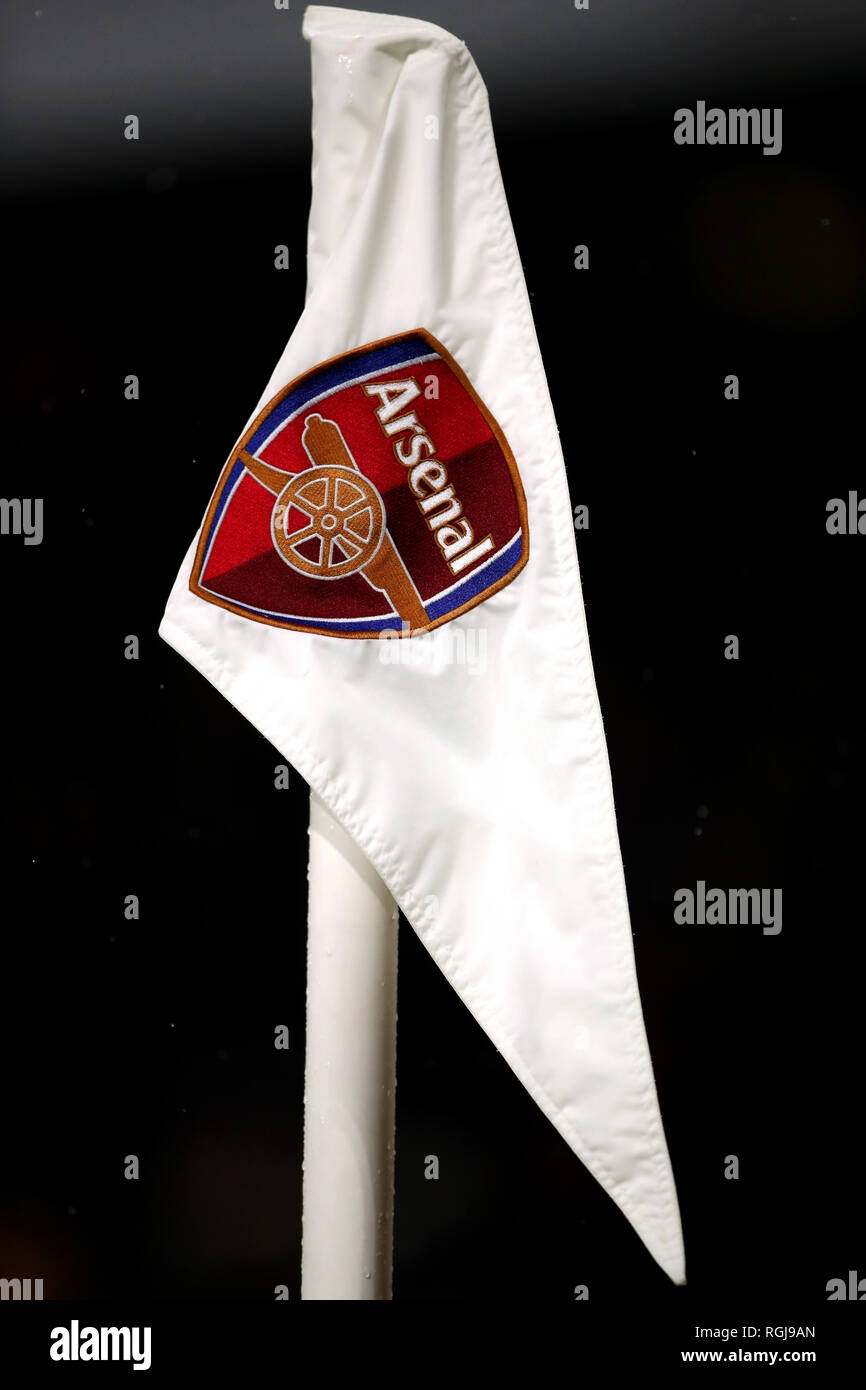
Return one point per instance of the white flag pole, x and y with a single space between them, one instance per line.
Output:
350 1073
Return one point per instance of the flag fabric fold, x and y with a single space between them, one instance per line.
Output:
401 484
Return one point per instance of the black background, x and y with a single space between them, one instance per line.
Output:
707 517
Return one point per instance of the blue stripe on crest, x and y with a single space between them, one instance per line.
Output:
221 504
341 373
478 581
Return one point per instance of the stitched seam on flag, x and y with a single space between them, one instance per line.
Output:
315 771
323 18
580 672
502 248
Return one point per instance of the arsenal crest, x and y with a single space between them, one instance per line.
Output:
375 493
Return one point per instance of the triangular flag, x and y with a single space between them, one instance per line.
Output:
386 585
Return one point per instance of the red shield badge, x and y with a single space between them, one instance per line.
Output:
375 493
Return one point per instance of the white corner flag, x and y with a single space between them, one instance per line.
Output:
385 584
